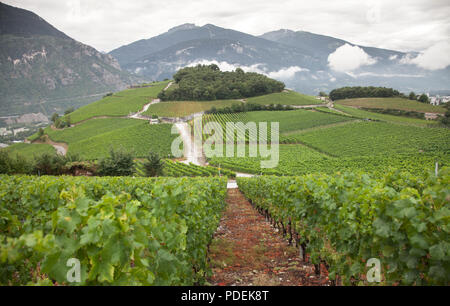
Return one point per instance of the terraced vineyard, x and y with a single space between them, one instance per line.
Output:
285 98
384 117
90 129
111 225
138 138
392 103
120 104
372 138
289 121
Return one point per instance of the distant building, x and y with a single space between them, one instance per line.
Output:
154 121
438 100
431 116
5 132
20 130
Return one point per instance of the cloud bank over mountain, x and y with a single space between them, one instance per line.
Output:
347 58
281 74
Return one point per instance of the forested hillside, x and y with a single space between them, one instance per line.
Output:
207 82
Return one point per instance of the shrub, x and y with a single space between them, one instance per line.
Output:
119 163
49 164
154 165
18 165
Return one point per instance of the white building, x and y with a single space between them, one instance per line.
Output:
5 132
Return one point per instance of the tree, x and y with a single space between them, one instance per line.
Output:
154 165
446 119
49 164
423 98
54 117
69 110
412 96
323 94
119 163
40 133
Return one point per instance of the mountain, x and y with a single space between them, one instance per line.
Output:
186 44
44 70
300 59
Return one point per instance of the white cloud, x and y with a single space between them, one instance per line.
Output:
393 57
348 58
282 74
434 58
384 75
286 73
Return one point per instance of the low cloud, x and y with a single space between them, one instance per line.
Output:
384 75
347 58
286 73
434 58
282 74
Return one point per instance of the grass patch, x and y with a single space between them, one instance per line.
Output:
29 151
285 98
185 108
392 103
384 117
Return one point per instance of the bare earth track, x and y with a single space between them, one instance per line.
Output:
247 251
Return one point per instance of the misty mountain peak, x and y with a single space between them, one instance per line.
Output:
186 26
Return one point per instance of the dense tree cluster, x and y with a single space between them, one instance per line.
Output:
424 98
363 92
207 82
45 164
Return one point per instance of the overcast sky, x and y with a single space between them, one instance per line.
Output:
404 25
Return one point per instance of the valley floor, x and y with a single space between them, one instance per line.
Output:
247 251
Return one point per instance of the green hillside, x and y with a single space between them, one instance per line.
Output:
185 108
392 103
27 150
120 104
359 113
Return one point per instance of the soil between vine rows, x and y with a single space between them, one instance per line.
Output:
248 251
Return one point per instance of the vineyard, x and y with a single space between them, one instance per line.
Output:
297 159
371 138
343 221
139 138
392 103
178 169
124 231
359 113
120 104
290 122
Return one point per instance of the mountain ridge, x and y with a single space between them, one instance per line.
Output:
44 70
301 59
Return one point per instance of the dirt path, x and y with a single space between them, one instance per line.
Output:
60 147
168 85
247 250
306 106
138 115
